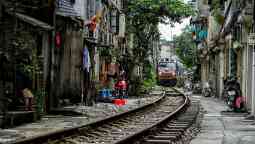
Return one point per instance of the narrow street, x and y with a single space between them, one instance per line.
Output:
127 71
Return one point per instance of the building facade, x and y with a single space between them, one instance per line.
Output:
167 49
65 47
227 51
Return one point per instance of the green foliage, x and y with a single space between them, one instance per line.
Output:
39 96
135 88
215 4
180 81
248 23
149 76
106 53
186 48
218 16
28 69
159 10
143 18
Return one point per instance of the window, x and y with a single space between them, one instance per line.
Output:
114 22
170 66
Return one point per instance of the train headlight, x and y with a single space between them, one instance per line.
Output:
160 73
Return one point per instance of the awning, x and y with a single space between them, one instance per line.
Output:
230 20
32 21
65 8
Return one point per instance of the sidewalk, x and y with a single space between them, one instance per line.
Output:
223 127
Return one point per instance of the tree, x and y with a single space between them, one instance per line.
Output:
186 48
143 19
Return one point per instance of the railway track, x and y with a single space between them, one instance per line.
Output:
171 130
142 125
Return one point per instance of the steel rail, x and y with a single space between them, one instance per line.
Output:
131 138
59 134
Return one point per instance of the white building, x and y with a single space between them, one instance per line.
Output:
167 49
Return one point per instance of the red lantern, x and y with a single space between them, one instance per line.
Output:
58 40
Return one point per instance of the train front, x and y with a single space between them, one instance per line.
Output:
167 73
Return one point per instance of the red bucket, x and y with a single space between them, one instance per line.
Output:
119 102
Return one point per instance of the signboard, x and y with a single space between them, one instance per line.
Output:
251 39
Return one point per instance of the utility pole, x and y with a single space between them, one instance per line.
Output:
253 66
251 44
52 84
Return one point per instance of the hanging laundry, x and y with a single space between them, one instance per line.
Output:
86 59
93 24
95 20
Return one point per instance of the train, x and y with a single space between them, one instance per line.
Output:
167 72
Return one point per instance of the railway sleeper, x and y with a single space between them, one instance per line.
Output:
94 134
108 127
115 125
72 141
156 141
180 124
188 117
187 120
170 133
121 123
177 127
172 136
164 137
125 120
172 130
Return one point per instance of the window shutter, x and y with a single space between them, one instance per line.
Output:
114 21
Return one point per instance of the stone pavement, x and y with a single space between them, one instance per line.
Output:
223 127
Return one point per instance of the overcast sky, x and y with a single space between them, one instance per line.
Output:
166 30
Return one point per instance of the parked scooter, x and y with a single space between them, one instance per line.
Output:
188 86
121 87
207 90
232 95
197 88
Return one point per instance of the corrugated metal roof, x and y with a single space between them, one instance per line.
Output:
66 8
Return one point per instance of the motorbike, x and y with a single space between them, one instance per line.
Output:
188 86
120 89
232 95
207 90
197 88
